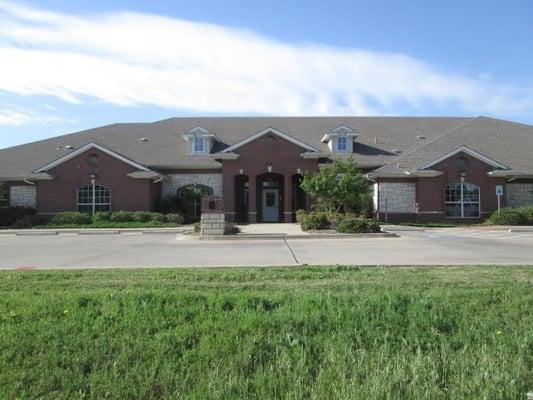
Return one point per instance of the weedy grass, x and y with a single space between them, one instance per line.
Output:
282 333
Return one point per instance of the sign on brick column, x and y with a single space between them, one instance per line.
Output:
213 220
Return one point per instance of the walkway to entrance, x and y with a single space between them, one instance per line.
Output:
272 229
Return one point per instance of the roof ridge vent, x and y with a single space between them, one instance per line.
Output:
420 137
396 151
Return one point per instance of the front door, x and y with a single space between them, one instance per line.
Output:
270 205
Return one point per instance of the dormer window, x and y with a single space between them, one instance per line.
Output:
199 140
340 140
199 145
341 143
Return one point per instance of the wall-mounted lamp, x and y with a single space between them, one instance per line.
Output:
269 167
299 171
463 176
241 171
92 177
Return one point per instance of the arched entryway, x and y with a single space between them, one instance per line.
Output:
269 197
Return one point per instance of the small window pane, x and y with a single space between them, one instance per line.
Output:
453 210
198 145
341 143
270 199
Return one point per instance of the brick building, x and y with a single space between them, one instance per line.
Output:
425 168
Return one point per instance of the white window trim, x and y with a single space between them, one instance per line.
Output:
93 203
339 150
462 203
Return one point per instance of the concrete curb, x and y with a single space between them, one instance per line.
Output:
94 231
309 236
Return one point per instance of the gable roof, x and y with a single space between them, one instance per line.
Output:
85 148
163 146
267 131
502 144
466 150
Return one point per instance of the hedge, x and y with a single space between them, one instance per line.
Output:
9 215
343 223
512 216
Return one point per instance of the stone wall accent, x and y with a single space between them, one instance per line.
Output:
213 220
397 197
519 194
175 181
23 196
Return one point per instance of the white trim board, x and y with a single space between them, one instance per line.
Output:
264 132
470 152
87 147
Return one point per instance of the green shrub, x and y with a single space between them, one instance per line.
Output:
9 215
315 220
122 216
177 219
509 216
142 216
231 229
353 224
71 218
528 211
102 216
158 217
23 223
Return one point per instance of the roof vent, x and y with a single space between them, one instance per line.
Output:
396 151
420 137
69 147
143 140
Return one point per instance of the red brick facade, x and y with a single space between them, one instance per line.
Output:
430 191
127 193
269 153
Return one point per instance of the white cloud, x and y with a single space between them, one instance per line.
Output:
131 59
14 116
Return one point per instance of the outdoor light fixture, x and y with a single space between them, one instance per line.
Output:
269 167
241 171
299 171
463 176
92 177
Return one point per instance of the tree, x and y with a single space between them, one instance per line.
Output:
339 187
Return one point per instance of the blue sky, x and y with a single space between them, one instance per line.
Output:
70 65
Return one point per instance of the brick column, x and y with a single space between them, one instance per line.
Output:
287 198
228 188
252 202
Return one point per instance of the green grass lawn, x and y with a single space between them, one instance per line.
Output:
324 333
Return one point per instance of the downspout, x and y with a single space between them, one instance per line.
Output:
25 180
161 177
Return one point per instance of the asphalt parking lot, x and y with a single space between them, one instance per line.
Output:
431 247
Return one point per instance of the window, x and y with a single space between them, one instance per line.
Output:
94 198
198 145
462 200
341 143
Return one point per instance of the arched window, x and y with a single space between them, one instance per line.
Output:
93 198
462 200
189 200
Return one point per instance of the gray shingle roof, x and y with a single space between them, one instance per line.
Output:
378 138
507 143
